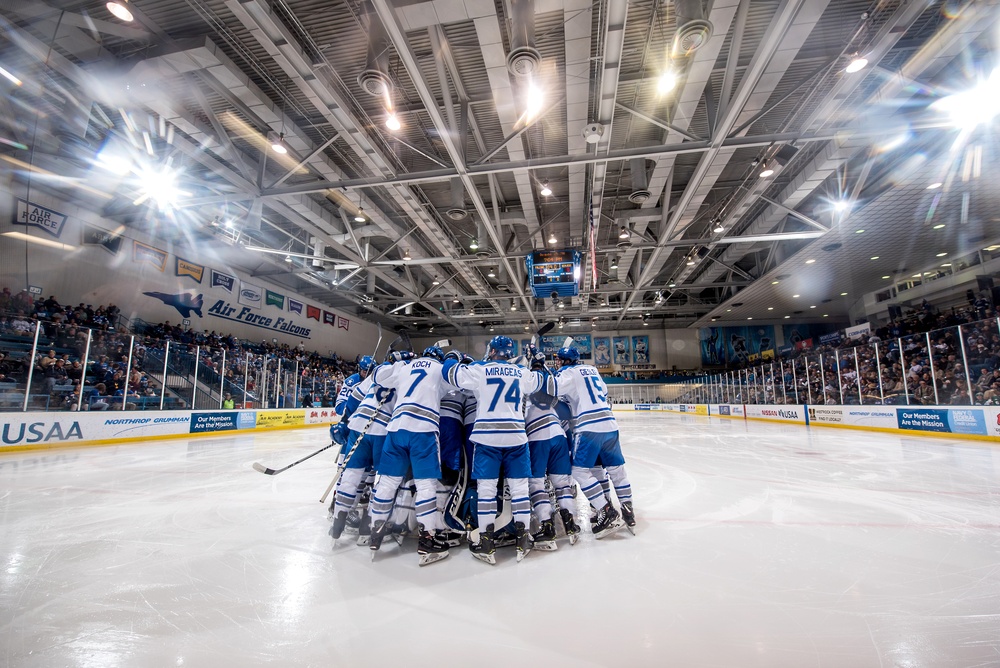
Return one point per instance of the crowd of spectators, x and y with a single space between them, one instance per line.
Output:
124 369
918 359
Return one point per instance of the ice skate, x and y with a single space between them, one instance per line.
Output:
545 538
608 522
364 528
628 515
452 538
378 532
339 522
572 530
523 541
431 547
484 550
504 538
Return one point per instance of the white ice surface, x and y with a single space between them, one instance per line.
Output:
758 545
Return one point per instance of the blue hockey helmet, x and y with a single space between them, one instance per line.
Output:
502 347
434 352
366 363
569 355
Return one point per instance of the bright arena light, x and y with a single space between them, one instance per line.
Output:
392 122
535 99
976 106
856 65
119 8
666 83
10 77
841 206
160 187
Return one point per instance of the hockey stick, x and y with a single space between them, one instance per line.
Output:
257 466
542 331
343 466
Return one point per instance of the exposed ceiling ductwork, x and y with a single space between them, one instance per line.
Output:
693 28
374 79
523 59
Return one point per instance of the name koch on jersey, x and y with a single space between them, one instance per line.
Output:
376 404
498 387
581 387
419 387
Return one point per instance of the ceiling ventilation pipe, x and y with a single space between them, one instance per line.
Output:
457 210
483 236
375 80
524 58
640 181
693 29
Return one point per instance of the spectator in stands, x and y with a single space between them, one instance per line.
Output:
228 402
99 402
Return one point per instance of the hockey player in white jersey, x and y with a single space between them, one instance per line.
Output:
595 434
366 412
339 431
412 441
498 437
549 453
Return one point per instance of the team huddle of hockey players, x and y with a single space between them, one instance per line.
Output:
465 448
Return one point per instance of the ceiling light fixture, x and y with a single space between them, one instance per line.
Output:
492 273
795 296
473 245
406 255
392 122
941 254
810 261
359 217
288 258
552 238
545 191
841 206
787 317
667 82
278 145
690 260
10 77
843 294
934 186
975 106
120 10
874 257
624 234
456 300
765 171
859 231
435 282
513 304
886 277
775 282
856 65
614 263
938 226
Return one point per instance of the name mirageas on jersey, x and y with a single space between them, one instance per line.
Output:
503 370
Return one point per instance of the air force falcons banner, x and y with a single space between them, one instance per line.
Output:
95 236
224 281
250 295
32 215
185 268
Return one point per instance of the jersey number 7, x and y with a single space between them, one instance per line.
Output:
513 395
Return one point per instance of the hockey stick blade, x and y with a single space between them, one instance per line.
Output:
443 343
568 342
257 466
545 329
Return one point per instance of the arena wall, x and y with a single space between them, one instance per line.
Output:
63 265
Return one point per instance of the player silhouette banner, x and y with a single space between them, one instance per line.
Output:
602 351
623 354
640 350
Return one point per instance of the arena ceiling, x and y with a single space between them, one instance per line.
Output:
650 121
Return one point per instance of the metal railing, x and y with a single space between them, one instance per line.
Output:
48 367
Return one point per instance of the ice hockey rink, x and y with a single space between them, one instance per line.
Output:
757 545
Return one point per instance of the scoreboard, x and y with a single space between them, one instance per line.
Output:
554 271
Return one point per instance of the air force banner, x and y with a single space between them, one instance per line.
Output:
250 295
224 281
185 268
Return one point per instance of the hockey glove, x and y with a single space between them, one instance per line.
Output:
339 432
401 356
467 359
453 355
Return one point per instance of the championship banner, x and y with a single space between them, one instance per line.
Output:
312 312
274 299
294 306
142 253
95 236
224 281
329 318
185 268
343 323
250 295
32 215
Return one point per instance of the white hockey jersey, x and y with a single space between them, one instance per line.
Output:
453 406
345 392
371 396
498 387
419 387
581 386
541 422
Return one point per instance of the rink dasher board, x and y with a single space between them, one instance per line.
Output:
968 422
41 430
